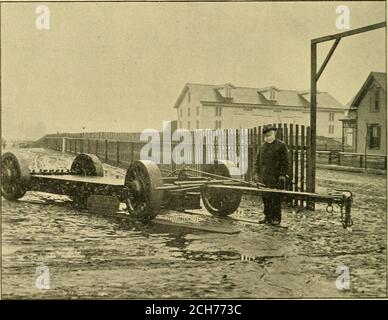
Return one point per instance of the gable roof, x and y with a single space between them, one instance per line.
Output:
244 95
379 77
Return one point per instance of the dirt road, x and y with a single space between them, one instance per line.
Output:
98 256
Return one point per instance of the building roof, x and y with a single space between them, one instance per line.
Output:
258 96
379 77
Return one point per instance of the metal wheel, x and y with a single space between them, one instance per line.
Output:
85 165
218 202
15 176
141 179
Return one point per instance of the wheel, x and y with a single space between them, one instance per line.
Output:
220 202
85 165
141 179
15 176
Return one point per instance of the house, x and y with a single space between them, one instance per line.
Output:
364 127
201 106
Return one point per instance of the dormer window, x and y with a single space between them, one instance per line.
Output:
226 91
269 93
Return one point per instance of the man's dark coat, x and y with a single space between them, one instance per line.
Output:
272 162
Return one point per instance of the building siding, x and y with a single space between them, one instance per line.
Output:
239 114
251 116
364 115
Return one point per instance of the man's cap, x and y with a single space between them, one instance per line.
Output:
268 127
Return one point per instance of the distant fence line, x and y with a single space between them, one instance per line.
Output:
352 159
122 136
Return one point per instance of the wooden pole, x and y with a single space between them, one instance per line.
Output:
313 118
302 164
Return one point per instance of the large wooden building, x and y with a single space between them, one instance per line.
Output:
365 126
202 106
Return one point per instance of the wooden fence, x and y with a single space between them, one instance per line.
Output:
123 153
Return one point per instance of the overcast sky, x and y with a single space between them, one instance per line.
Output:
121 66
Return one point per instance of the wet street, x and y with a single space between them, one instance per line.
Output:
104 256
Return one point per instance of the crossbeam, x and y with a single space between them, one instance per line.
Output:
349 33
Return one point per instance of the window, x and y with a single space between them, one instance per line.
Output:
180 124
218 111
188 125
188 112
218 124
272 95
181 113
197 111
374 134
331 129
331 116
197 124
228 92
189 97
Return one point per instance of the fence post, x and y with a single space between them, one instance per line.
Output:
64 144
291 172
287 142
302 168
227 143
106 149
385 162
296 175
309 182
118 152
132 151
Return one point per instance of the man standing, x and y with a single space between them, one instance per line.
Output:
272 168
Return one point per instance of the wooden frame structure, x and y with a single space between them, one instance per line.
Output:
315 75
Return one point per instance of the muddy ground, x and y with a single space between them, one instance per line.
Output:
99 256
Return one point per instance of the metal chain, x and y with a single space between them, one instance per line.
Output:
346 219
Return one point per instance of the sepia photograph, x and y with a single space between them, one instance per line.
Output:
193 150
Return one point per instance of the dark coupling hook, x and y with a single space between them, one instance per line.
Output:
329 208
